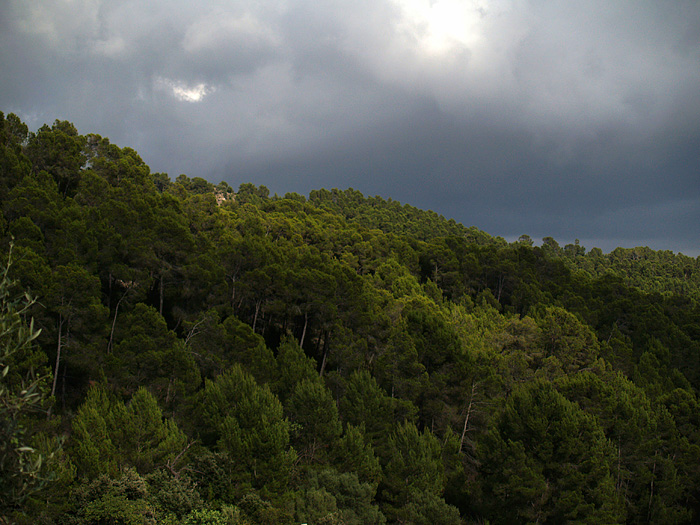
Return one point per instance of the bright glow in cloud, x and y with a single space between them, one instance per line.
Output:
182 91
439 26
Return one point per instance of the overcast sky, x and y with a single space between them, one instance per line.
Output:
547 118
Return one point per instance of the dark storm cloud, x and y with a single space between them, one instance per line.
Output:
546 118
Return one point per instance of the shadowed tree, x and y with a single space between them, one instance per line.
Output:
245 420
545 460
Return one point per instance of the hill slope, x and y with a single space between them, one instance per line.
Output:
234 357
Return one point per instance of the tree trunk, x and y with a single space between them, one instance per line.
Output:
651 491
61 320
303 333
466 419
63 375
257 310
167 395
619 462
109 293
325 353
160 309
114 321
318 343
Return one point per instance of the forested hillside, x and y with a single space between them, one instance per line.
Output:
178 352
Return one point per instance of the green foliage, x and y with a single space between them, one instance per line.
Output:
354 499
248 349
426 508
414 479
564 337
336 359
546 460
354 454
173 495
392 217
313 411
229 515
646 440
59 150
293 366
366 404
261 511
415 463
13 164
246 421
109 435
23 468
147 352
331 497
121 499
94 428
316 505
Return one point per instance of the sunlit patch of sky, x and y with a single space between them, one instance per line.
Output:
182 91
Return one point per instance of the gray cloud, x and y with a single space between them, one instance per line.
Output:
546 118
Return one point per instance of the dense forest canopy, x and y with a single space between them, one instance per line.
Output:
175 351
